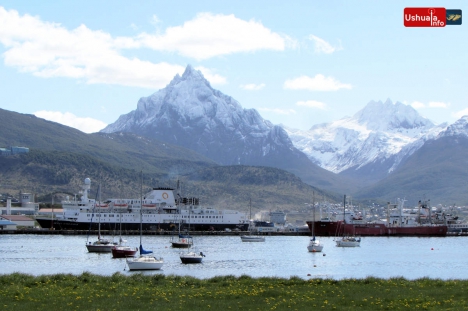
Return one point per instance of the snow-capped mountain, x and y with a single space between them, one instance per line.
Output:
459 128
373 142
436 171
190 113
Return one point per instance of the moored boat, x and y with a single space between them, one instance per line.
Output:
314 244
161 208
345 239
100 246
181 241
146 260
398 224
191 257
348 241
123 251
250 237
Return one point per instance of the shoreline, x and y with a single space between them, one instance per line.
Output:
168 233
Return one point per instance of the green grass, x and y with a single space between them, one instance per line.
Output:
160 292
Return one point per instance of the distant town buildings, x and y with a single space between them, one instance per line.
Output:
28 206
13 150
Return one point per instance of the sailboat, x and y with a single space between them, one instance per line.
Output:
122 250
347 240
101 245
181 240
191 256
314 244
250 237
145 261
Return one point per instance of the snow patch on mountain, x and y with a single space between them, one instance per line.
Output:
379 131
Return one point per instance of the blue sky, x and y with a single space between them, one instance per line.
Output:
299 63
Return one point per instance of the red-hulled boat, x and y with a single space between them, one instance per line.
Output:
398 224
123 251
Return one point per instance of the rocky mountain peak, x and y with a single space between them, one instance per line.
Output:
389 116
190 113
459 128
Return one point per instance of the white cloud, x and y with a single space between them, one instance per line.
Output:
252 86
87 125
311 104
279 111
317 83
420 105
47 49
209 35
438 105
322 46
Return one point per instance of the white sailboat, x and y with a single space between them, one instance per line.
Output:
101 245
181 240
250 237
146 261
314 244
347 240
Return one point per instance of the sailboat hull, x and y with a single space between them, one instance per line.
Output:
191 257
314 246
182 241
181 244
123 251
348 242
92 248
144 263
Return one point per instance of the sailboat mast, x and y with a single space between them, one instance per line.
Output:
141 206
313 213
344 209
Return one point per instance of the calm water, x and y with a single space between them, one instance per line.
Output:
280 256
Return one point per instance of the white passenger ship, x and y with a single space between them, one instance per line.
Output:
158 208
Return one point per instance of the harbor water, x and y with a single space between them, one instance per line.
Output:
279 256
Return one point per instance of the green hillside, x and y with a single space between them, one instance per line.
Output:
120 149
61 157
229 187
438 171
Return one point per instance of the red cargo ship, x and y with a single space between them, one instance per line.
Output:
399 224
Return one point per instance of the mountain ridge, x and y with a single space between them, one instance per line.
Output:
375 139
189 112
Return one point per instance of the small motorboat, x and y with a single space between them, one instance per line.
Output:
191 257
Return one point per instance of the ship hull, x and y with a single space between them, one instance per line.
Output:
334 228
74 225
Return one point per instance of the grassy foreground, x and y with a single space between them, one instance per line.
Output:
159 292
